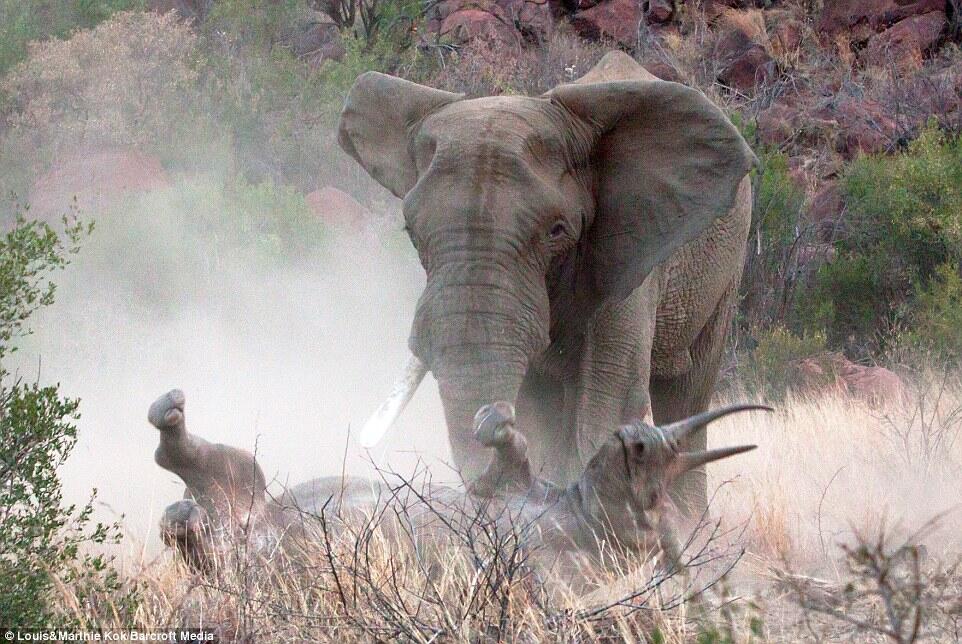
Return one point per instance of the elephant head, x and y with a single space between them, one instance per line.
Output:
530 212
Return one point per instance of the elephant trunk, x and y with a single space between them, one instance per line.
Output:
478 336
462 395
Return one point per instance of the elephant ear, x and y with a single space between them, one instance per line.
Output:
667 163
379 116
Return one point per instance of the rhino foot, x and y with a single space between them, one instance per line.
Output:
168 410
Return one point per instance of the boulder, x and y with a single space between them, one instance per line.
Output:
833 373
465 25
95 179
749 70
664 71
613 20
317 39
860 126
857 20
876 386
906 43
815 377
659 11
744 63
714 9
533 18
338 209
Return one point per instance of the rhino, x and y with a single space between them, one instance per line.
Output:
621 501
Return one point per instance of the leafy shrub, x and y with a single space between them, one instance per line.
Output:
772 270
766 369
114 84
42 541
22 22
130 81
905 223
937 323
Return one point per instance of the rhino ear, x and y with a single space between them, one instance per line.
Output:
379 116
667 163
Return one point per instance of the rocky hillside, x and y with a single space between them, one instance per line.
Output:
853 107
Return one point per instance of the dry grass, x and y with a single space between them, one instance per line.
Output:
832 496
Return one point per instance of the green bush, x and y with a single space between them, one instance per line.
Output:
280 112
904 227
23 21
43 542
131 81
768 289
766 369
936 327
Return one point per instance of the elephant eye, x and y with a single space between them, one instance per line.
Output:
558 230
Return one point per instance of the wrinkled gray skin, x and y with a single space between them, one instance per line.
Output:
619 501
582 251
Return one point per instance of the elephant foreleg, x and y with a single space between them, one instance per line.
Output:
690 393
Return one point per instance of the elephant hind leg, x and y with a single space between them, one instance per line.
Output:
690 393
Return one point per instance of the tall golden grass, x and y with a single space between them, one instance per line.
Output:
833 482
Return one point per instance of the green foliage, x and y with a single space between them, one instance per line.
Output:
765 369
42 541
279 112
778 204
775 239
23 21
132 81
937 323
905 222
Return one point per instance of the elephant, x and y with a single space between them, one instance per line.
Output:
619 503
582 250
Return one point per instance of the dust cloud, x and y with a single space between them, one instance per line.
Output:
286 359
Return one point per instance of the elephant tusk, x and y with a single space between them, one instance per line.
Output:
385 415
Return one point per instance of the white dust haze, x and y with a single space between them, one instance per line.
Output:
287 358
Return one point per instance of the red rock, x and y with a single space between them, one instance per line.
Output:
713 9
833 373
338 209
906 43
532 17
663 70
814 376
615 20
859 19
749 70
777 124
861 126
744 62
658 11
446 8
95 179
875 385
786 37
466 25
318 40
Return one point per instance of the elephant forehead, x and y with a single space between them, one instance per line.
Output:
518 124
